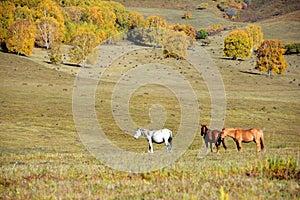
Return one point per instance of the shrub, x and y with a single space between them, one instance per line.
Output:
205 42
201 34
187 15
55 54
292 48
175 44
187 29
275 168
222 6
202 6
231 13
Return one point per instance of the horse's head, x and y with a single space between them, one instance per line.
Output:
138 133
223 134
203 129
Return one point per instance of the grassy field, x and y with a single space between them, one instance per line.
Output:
42 156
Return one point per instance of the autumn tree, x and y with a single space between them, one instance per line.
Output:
48 32
136 20
237 45
270 57
55 53
83 44
153 30
187 29
103 17
175 44
155 21
74 13
50 23
255 34
23 12
7 10
122 15
21 37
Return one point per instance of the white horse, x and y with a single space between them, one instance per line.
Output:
156 136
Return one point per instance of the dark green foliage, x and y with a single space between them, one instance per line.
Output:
201 34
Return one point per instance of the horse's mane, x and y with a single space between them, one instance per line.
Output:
232 129
146 132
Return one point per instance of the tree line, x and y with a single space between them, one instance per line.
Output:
85 24
48 24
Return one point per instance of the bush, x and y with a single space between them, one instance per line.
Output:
202 6
276 168
292 48
204 42
231 13
201 34
222 6
55 54
175 45
187 15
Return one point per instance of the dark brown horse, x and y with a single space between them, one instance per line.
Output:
240 135
212 137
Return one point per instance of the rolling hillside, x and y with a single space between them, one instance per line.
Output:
42 156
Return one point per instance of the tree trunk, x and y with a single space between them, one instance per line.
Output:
269 71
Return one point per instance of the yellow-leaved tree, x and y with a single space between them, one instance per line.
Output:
7 10
136 20
153 30
21 37
237 44
23 12
187 29
48 32
104 17
255 34
175 44
83 43
50 23
270 57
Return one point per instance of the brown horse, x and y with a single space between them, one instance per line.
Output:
211 136
240 135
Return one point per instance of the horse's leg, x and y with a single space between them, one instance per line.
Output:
218 147
257 146
170 144
239 146
211 146
223 143
206 144
167 145
150 147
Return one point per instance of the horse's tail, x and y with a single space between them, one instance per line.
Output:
262 142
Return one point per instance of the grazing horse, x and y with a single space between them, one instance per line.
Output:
240 135
211 136
156 136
